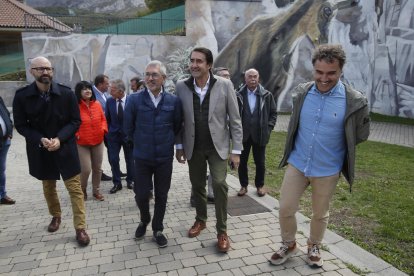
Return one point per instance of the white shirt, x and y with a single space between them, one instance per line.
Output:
156 100
202 91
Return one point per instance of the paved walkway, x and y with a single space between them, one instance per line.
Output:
26 248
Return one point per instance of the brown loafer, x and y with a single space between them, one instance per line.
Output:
99 197
82 237
242 192
54 224
261 192
7 201
223 242
196 229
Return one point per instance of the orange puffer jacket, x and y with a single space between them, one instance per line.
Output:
93 124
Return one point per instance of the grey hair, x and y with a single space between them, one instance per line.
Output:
119 84
163 69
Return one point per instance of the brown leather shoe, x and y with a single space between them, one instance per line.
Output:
196 229
242 192
85 195
82 237
7 201
54 224
261 192
99 197
223 242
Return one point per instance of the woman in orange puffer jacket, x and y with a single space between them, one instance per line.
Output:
90 138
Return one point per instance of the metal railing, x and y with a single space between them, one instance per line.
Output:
105 25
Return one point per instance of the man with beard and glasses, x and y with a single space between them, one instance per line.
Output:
47 115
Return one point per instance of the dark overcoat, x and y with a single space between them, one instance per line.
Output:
56 116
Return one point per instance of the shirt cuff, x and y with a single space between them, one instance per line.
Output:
236 152
179 146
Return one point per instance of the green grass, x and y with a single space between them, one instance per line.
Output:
379 213
391 119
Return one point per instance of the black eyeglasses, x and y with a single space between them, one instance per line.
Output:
153 75
42 69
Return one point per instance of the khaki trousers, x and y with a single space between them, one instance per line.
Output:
293 186
76 197
90 158
218 172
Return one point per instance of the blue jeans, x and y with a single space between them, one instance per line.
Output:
4 148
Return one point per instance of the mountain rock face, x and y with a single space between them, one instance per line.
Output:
96 6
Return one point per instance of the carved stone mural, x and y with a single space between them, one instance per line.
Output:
275 37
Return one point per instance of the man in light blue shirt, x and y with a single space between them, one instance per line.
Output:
329 118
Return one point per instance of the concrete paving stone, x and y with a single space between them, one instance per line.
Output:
21 259
221 273
115 266
259 242
240 231
240 225
207 268
238 253
205 251
329 266
269 268
77 264
184 255
260 234
307 270
130 248
60 273
102 246
161 258
262 249
191 246
124 257
250 270
240 238
6 268
330 273
346 272
240 245
44 270
91 255
216 257
6 251
188 271
63 267
232 263
113 251
286 272
170 249
92 270
144 270
99 261
148 253
207 236
168 266
126 272
74 257
106 239
256 259
137 263
52 261
26 265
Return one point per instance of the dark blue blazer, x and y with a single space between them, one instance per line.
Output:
115 128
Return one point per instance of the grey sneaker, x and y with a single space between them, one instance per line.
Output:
160 239
284 253
140 232
314 256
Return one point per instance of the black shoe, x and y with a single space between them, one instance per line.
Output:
115 189
160 239
140 232
123 174
130 185
210 199
105 177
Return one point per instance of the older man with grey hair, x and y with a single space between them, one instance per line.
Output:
116 137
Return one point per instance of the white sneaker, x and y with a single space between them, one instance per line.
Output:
284 253
314 256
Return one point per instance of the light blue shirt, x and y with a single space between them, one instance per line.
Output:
320 147
156 100
251 98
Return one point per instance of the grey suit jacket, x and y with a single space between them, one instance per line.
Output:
223 116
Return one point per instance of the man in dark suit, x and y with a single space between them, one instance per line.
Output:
6 133
47 115
116 137
100 88
258 114
210 115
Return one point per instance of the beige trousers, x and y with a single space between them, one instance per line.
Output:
91 160
293 186
76 197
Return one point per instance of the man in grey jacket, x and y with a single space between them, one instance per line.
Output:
329 118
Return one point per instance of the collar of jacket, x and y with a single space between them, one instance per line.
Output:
190 82
261 91
34 91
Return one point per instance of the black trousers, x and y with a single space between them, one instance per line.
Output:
259 153
144 172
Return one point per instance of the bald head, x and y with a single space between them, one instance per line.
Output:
251 77
42 70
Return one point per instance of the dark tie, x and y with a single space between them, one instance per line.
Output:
120 111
